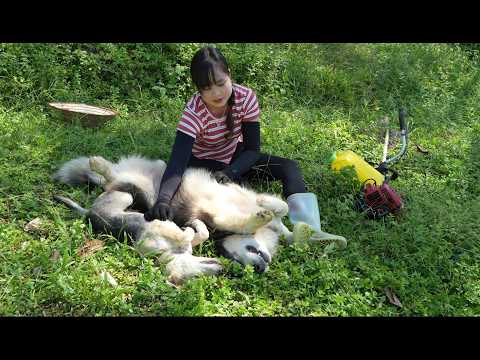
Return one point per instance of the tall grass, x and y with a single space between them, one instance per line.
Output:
315 98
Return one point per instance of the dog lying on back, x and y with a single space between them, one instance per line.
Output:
250 221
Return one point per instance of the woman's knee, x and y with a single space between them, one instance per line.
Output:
292 178
290 166
280 168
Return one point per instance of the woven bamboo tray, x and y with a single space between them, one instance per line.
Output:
87 115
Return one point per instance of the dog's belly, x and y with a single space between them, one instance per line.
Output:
226 200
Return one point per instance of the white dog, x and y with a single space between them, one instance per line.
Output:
249 222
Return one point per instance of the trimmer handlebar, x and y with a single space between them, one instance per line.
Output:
402 114
403 124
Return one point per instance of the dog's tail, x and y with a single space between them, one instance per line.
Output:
77 172
71 204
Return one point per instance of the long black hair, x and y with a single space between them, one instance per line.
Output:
202 69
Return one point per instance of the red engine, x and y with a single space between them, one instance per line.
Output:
378 201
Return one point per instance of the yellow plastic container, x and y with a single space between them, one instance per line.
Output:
365 172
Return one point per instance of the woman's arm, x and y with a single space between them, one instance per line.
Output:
250 154
171 179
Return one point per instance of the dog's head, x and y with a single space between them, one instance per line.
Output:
249 249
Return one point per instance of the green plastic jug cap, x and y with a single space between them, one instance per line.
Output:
332 157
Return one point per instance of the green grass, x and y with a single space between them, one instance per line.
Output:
315 98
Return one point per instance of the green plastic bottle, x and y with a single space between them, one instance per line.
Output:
365 172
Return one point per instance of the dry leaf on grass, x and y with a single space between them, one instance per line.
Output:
90 247
36 225
392 297
420 149
55 255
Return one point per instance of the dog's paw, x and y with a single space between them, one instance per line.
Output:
185 266
265 215
302 232
258 220
276 205
201 232
100 165
96 162
210 266
188 235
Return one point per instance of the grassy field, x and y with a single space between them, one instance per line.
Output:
315 98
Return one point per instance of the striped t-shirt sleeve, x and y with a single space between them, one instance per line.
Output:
189 123
251 108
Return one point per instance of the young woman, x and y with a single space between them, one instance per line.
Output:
220 130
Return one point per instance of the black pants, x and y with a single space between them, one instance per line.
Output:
267 167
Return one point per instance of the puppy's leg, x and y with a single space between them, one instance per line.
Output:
171 231
103 167
184 266
151 247
201 232
279 228
272 203
163 237
242 223
168 230
301 232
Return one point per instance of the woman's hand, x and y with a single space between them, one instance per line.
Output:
161 211
221 177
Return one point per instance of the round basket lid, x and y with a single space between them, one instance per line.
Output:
83 109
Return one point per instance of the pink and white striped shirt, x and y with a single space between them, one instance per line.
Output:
209 131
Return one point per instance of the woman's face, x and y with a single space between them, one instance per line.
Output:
216 95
